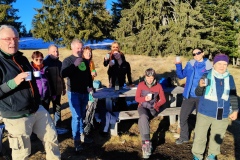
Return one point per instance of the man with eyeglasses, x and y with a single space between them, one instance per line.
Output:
193 72
20 101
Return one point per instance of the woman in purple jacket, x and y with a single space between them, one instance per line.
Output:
40 72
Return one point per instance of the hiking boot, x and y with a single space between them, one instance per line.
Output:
211 157
144 152
85 139
180 141
149 147
78 148
61 130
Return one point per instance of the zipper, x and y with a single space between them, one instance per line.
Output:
31 87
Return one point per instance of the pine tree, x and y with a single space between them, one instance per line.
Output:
8 14
63 20
117 7
222 25
161 27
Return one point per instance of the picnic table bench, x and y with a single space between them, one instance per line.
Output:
109 93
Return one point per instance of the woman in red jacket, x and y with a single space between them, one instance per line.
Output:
150 97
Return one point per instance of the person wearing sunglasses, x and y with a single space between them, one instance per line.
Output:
40 72
193 71
20 104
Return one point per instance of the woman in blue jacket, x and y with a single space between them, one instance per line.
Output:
193 71
214 108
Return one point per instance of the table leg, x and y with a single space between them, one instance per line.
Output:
173 103
108 104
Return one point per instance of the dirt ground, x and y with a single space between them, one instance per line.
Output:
128 146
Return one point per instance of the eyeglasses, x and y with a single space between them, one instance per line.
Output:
194 54
9 39
38 59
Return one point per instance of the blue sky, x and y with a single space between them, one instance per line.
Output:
26 10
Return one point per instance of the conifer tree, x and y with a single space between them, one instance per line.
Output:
63 20
8 15
222 25
161 27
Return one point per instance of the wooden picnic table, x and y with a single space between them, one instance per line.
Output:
109 93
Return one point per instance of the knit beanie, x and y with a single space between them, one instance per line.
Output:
221 57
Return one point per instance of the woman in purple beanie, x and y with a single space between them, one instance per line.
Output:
218 102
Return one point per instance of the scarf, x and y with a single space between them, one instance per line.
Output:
38 67
211 92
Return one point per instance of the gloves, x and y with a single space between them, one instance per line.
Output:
77 61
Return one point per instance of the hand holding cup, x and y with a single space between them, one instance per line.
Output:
77 61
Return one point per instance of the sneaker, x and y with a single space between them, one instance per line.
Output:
211 157
195 158
149 147
144 151
61 130
180 141
85 139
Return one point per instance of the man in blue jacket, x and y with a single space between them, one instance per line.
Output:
193 71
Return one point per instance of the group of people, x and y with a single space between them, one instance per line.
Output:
25 103
212 92
210 89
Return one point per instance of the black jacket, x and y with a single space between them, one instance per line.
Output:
24 99
56 82
120 72
77 80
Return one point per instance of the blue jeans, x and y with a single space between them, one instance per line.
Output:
77 104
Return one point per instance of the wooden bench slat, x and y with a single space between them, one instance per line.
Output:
125 115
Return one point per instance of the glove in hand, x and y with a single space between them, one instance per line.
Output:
77 61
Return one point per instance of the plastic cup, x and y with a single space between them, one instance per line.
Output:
206 81
113 61
107 56
36 73
29 77
149 95
178 59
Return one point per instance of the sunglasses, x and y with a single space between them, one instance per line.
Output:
39 59
194 54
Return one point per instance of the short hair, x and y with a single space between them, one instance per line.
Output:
198 49
75 40
52 45
150 72
37 54
4 26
